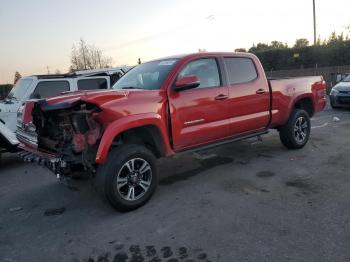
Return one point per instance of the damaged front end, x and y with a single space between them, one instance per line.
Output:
69 133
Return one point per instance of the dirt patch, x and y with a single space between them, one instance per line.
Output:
265 155
54 211
204 165
306 185
264 174
136 253
240 185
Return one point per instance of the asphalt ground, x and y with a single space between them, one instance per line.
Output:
246 201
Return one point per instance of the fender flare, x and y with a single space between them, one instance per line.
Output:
298 98
290 107
123 124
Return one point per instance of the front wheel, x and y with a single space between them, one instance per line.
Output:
128 179
296 132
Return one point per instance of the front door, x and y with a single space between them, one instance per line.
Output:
199 115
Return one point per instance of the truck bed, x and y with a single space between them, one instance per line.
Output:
285 90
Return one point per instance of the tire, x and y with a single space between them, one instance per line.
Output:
296 132
134 188
332 105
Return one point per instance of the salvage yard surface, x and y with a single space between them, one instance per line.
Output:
246 201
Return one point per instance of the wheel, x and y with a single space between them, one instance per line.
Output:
296 132
128 179
332 104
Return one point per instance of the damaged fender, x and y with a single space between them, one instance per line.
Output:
126 123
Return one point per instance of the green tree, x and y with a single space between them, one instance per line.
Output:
278 45
259 47
301 42
241 50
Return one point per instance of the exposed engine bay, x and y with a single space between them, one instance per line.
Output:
69 131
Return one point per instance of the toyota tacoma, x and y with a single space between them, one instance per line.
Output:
161 108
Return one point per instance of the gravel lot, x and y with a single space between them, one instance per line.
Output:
247 201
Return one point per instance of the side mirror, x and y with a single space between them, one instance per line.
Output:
187 82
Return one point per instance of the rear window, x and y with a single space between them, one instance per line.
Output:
94 83
46 89
240 70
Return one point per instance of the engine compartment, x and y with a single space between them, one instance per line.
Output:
70 131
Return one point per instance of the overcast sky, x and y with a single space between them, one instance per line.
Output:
39 33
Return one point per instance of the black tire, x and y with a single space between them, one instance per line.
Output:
332 105
292 138
116 170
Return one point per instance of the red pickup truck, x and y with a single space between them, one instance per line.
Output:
160 108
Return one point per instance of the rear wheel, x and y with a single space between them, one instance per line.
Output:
128 179
296 132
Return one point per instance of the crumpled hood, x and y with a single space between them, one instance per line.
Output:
342 86
97 97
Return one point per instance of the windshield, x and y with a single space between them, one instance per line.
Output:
148 76
20 89
346 79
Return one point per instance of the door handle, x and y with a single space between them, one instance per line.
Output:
260 91
221 97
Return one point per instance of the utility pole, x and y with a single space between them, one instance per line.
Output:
314 10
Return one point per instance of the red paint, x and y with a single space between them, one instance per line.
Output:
197 116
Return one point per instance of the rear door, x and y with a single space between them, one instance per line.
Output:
249 98
199 115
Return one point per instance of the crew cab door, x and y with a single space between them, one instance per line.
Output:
249 97
199 115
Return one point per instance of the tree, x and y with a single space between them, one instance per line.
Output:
86 56
241 50
259 47
17 77
278 45
301 42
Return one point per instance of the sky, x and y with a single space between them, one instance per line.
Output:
37 35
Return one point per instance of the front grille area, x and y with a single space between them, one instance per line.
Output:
343 100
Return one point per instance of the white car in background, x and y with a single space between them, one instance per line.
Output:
44 86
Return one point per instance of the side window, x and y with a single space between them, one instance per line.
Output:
46 89
240 70
205 69
93 83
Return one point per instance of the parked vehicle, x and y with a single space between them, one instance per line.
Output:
161 108
4 90
44 86
8 140
340 94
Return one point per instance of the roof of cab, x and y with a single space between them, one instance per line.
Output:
203 54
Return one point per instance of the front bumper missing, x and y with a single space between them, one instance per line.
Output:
50 161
